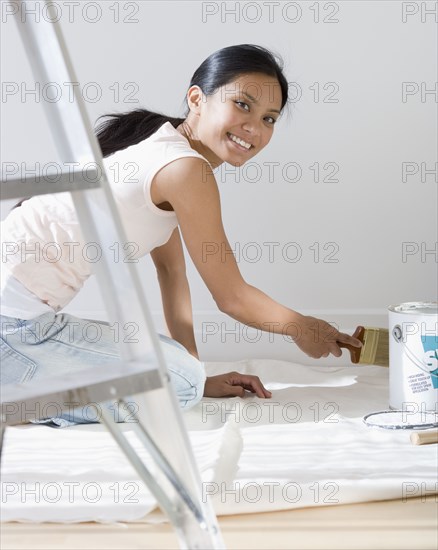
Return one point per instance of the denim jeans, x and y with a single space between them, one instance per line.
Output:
51 344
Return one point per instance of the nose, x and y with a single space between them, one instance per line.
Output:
252 127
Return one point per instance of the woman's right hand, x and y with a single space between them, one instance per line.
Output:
317 338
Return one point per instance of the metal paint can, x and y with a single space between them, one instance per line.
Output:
413 356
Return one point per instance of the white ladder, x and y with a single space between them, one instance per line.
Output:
175 481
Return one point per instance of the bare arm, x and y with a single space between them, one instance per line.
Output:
175 291
171 271
189 185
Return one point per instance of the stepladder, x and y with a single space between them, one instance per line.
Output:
141 371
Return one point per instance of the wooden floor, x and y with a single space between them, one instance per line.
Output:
372 525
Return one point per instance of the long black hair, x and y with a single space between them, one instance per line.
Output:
223 66
124 129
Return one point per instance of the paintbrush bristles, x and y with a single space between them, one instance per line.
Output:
382 352
375 349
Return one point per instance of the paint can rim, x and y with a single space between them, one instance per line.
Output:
415 308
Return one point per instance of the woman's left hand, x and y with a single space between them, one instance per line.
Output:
234 384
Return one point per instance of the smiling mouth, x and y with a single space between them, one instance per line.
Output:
240 142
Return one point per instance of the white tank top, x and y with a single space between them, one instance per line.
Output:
45 260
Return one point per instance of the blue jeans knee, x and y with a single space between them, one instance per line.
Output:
30 353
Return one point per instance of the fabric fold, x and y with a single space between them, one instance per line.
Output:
306 446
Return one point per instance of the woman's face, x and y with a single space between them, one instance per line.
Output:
237 121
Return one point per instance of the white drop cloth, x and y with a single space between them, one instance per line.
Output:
306 446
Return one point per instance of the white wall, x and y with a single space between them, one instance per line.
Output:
364 238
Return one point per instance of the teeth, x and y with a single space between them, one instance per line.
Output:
240 141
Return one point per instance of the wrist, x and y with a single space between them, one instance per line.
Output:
293 328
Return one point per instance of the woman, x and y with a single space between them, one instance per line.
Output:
234 100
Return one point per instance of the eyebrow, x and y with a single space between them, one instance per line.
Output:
254 100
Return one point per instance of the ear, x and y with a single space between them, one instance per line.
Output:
194 99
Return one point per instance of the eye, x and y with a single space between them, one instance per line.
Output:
243 105
271 120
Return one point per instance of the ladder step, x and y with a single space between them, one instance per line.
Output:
56 183
25 402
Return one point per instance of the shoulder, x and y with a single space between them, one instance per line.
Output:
190 167
185 182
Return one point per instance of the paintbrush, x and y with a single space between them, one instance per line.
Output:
424 438
375 346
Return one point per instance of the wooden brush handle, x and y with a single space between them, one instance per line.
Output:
354 351
424 438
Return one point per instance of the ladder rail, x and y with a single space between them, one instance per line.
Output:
121 287
75 142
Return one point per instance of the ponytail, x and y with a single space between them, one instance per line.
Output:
125 129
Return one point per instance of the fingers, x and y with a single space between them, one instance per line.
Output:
251 383
234 384
335 350
347 339
234 391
